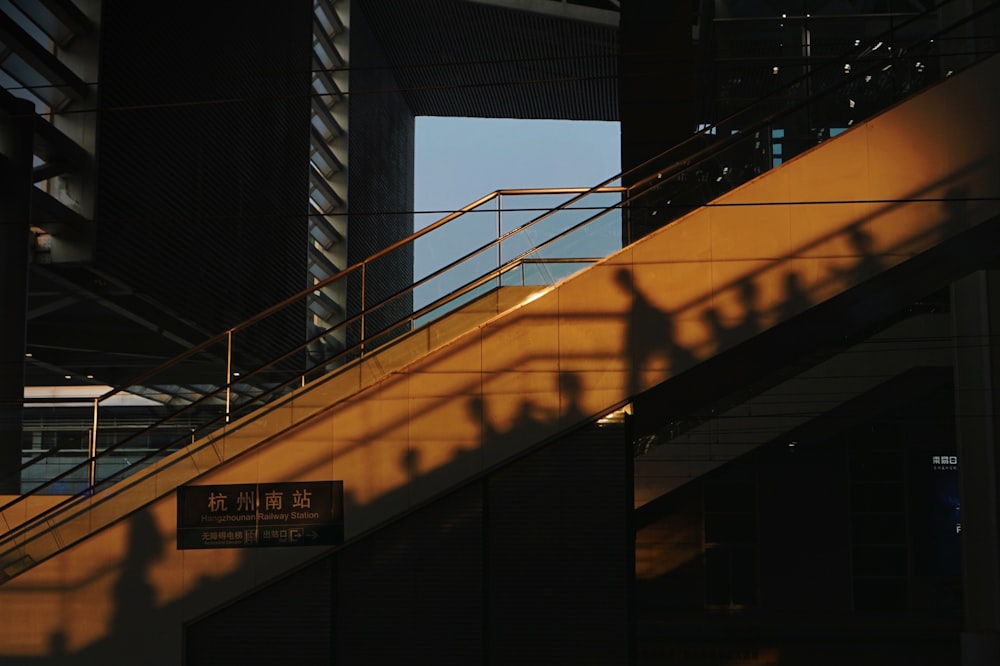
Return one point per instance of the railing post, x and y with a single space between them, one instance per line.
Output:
229 370
92 449
499 233
364 280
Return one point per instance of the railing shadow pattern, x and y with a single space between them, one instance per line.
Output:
540 245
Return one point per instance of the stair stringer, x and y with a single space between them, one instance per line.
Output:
246 430
923 340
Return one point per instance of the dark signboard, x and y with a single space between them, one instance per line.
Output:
937 529
255 515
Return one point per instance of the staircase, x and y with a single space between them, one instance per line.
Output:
856 226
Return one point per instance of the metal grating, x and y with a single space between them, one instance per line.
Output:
456 58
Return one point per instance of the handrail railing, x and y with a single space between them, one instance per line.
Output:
649 182
221 396
223 380
837 91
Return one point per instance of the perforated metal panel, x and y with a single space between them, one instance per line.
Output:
530 565
456 58
204 154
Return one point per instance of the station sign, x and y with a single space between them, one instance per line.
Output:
257 515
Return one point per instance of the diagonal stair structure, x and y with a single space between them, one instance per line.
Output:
851 229
923 340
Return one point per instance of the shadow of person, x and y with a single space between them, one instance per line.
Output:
525 419
530 421
795 300
717 330
956 212
749 324
881 297
476 408
135 596
649 335
571 393
409 462
726 336
868 264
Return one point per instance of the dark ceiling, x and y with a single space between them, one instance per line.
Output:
477 59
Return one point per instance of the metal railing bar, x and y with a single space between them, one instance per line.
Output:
582 192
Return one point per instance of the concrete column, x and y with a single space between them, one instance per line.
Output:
656 90
16 136
976 313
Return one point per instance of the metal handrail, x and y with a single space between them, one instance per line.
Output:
227 336
676 165
581 193
665 156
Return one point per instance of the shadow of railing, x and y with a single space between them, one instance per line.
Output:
279 382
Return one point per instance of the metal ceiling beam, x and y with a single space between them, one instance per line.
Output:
69 15
54 217
38 57
51 145
127 314
41 12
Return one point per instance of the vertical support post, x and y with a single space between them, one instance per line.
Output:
364 267
499 232
656 92
976 316
229 370
16 149
92 449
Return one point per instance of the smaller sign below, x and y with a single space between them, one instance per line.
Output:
252 515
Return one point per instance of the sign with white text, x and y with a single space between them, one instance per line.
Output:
254 515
